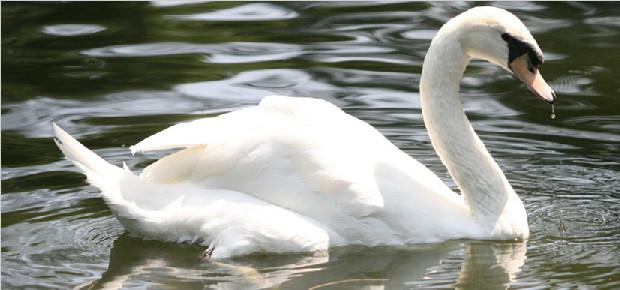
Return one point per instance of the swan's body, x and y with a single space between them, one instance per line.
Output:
299 174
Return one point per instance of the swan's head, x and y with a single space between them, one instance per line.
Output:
498 36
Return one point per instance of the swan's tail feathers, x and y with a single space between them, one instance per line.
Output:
81 156
99 172
108 178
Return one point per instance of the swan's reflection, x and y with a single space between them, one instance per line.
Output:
456 264
490 265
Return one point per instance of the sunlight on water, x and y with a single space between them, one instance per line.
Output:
72 29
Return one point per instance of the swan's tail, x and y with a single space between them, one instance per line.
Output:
90 163
99 172
141 206
108 178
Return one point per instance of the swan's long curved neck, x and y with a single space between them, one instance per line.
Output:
482 183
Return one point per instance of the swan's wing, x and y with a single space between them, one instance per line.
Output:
298 153
195 133
245 121
233 222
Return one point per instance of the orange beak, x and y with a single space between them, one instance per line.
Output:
532 79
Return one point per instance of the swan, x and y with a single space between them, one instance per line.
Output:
297 174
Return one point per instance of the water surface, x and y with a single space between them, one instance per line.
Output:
113 73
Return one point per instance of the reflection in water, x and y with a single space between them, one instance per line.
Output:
490 266
133 259
483 265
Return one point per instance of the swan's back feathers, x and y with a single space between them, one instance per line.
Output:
222 128
298 106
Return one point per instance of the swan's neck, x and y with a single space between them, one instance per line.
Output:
484 187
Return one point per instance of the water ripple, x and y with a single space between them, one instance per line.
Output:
172 3
251 52
612 21
573 85
252 86
519 6
246 12
240 52
33 117
596 123
72 29
539 25
426 34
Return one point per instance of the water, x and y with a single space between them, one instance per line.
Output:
114 73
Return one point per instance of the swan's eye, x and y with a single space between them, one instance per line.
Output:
517 48
530 66
533 60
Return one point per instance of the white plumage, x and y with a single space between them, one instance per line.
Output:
300 175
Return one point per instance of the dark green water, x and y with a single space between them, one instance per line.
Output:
114 73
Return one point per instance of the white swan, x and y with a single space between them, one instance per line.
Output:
299 174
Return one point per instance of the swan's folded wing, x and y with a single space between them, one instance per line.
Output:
251 120
301 154
182 135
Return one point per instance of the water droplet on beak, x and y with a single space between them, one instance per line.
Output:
552 111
